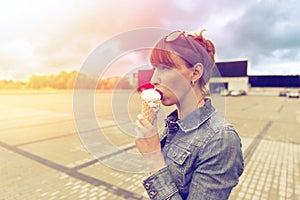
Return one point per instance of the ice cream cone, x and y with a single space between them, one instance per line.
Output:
150 104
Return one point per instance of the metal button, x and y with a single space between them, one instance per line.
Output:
174 154
152 194
147 186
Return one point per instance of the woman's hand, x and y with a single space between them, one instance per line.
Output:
148 143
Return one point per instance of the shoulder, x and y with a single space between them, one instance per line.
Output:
217 123
222 133
219 130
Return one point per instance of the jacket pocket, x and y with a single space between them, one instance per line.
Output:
178 154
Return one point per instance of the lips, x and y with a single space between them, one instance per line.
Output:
160 92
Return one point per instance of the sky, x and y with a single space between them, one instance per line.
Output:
46 37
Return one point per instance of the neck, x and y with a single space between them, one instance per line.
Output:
191 101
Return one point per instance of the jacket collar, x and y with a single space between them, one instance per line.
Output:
193 120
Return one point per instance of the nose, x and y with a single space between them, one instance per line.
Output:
155 79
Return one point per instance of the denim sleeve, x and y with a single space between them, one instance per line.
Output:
216 172
160 186
219 167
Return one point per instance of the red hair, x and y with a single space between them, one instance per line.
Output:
205 43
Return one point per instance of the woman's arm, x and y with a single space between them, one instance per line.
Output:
159 185
148 144
217 170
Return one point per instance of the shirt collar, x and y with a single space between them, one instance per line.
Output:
194 119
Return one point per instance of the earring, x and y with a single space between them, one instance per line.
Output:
193 83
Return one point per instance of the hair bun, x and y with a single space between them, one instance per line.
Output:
206 43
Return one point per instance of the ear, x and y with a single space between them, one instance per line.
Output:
197 71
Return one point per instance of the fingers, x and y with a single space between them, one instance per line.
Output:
144 131
144 128
142 120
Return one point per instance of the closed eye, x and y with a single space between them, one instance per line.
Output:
165 68
162 68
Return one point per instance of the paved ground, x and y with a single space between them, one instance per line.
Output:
46 154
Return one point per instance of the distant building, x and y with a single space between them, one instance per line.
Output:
133 79
232 75
288 81
143 79
229 75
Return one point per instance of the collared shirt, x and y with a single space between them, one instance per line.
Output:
203 156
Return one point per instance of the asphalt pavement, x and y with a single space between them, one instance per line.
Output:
49 151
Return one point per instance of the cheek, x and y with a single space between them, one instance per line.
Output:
176 84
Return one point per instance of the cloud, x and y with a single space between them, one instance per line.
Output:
265 30
42 37
65 40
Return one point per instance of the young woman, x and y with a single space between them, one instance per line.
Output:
199 154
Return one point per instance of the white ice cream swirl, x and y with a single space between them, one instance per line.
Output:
152 97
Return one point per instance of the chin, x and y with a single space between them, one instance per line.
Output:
165 102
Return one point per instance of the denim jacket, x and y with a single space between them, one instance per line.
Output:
203 156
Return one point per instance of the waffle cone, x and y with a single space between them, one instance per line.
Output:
146 111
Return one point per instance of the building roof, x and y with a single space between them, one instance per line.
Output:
231 69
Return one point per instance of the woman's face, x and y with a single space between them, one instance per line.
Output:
173 82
